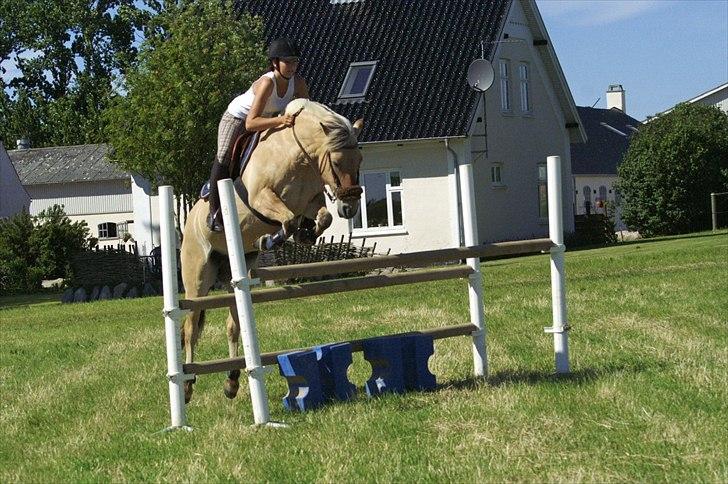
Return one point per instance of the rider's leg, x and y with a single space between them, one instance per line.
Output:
228 131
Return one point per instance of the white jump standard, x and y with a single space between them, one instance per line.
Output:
254 362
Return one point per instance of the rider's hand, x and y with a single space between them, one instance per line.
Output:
287 120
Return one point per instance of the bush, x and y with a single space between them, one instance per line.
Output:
671 167
37 248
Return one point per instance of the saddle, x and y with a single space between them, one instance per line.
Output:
242 149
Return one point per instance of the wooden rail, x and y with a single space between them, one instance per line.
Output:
329 287
412 259
228 364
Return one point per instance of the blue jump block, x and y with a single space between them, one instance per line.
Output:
300 369
399 363
333 362
316 376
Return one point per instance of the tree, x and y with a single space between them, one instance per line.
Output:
68 55
198 59
671 167
37 248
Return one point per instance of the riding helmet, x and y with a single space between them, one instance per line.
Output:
283 48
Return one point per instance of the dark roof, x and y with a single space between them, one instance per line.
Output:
63 164
422 47
605 148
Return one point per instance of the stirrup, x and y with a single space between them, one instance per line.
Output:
213 224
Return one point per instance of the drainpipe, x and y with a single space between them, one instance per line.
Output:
458 205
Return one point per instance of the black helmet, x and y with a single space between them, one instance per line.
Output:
283 48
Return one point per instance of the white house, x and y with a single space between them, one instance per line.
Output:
13 197
402 67
111 201
718 96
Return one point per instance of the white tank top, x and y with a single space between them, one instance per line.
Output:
240 106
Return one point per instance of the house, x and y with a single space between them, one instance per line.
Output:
13 197
402 67
594 163
718 96
111 201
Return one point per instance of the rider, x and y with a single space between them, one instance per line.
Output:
258 109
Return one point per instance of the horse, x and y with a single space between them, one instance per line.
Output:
286 178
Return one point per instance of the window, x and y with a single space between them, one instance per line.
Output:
381 203
602 193
107 230
496 175
525 98
505 86
357 79
543 198
587 199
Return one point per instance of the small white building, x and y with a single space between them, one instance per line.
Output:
81 179
13 196
594 164
718 96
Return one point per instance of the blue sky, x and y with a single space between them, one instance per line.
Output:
661 51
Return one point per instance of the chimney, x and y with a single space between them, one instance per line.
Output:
615 97
23 144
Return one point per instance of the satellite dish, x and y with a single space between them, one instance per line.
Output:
480 75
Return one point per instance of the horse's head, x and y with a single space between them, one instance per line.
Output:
341 170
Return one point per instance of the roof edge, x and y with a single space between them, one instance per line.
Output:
531 10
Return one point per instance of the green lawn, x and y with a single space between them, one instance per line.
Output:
83 387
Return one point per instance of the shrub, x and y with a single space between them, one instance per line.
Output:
671 167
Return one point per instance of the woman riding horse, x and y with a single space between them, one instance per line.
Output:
256 110
286 178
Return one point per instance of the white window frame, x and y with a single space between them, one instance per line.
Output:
542 181
348 78
364 230
525 89
104 228
504 69
496 169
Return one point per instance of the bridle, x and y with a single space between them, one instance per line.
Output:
331 196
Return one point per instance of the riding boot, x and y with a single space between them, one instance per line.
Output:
214 218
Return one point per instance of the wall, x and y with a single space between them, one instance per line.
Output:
13 197
426 197
83 198
518 141
594 182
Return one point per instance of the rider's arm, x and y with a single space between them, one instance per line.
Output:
263 89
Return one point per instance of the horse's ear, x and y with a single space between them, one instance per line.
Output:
327 129
358 125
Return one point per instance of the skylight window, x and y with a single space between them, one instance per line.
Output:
357 79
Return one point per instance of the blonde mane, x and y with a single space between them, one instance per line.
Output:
341 133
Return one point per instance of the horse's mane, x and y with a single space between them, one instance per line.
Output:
340 129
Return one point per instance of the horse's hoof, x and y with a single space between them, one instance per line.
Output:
231 388
188 392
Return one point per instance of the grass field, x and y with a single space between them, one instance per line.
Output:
83 387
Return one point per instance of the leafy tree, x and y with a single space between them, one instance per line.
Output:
68 55
56 240
671 167
197 59
37 248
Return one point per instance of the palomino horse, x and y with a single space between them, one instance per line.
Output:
285 178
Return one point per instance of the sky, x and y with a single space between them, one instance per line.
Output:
661 51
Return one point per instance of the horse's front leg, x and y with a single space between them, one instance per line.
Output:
317 220
270 205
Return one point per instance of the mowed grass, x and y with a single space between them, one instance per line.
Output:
83 387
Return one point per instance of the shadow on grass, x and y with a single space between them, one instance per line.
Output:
27 300
530 377
697 235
